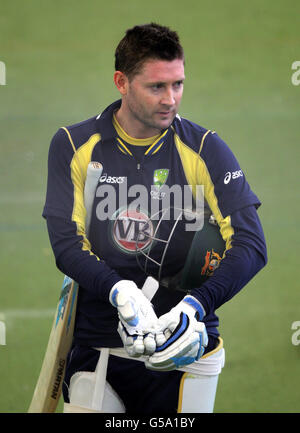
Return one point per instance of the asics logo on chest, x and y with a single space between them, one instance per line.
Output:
105 178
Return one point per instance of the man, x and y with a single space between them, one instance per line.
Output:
142 141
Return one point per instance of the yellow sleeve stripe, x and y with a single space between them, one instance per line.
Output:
86 246
196 173
70 138
81 158
227 232
189 160
79 165
202 141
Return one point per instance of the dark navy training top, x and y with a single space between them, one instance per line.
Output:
139 181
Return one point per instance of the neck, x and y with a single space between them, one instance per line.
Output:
132 126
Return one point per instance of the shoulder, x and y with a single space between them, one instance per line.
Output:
190 133
202 140
76 134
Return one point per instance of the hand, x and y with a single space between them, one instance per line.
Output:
137 318
186 336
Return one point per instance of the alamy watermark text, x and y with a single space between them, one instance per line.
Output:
295 78
2 74
296 335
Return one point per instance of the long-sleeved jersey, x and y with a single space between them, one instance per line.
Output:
136 174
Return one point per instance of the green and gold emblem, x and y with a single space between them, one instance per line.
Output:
160 177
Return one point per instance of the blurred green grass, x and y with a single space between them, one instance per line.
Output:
59 60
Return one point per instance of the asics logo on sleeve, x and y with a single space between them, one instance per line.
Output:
232 175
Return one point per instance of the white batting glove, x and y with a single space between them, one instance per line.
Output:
187 337
137 318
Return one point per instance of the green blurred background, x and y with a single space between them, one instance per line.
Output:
59 66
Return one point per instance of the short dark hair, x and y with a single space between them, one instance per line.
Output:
144 42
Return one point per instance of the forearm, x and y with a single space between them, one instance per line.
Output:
74 259
241 263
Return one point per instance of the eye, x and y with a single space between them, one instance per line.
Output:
157 86
178 84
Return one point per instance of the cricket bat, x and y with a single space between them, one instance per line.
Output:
49 385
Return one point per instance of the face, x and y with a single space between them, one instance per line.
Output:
150 100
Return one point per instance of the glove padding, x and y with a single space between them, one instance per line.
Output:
137 318
187 337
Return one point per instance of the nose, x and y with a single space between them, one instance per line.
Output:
168 97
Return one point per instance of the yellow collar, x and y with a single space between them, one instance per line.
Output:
130 140
153 144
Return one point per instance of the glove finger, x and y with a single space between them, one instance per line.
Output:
167 333
149 344
161 338
178 338
138 346
127 339
167 321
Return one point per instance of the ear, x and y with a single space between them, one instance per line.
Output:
121 82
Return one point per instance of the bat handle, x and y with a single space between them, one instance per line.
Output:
150 287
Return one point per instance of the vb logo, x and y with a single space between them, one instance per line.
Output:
2 74
131 229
